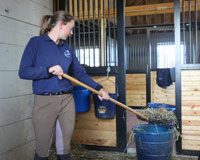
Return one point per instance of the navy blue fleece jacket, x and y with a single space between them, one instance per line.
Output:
40 54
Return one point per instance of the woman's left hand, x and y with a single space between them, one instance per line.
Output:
105 95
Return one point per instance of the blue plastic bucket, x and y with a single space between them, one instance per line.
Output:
81 98
154 141
104 109
169 107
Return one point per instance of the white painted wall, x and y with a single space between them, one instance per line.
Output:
19 20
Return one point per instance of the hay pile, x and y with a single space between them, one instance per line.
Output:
162 116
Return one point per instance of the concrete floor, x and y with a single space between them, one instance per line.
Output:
79 152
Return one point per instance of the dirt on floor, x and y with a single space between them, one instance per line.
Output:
80 152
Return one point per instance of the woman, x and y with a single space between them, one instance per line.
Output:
45 59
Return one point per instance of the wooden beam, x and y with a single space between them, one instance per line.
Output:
103 41
142 10
153 9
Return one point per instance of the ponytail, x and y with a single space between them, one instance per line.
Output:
45 24
48 21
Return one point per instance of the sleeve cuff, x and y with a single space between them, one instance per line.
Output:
49 74
98 87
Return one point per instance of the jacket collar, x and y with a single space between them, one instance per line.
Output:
47 38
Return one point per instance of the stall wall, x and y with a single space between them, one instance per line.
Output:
190 110
94 131
136 90
91 130
19 20
161 95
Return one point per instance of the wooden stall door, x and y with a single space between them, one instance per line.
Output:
90 130
191 110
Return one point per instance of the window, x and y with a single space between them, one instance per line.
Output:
89 57
166 55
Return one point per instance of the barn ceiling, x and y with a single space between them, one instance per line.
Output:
144 2
137 12
157 12
149 12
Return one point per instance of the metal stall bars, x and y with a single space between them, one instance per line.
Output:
94 37
190 31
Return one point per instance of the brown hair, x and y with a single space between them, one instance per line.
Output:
50 21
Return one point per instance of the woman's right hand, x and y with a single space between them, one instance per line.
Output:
105 95
56 70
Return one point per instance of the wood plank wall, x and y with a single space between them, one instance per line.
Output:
190 110
95 131
161 95
19 20
136 89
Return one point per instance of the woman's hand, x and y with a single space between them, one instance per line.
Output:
56 70
105 95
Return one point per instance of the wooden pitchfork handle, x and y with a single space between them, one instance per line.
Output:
98 93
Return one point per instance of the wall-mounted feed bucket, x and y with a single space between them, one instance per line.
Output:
154 141
104 109
81 98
